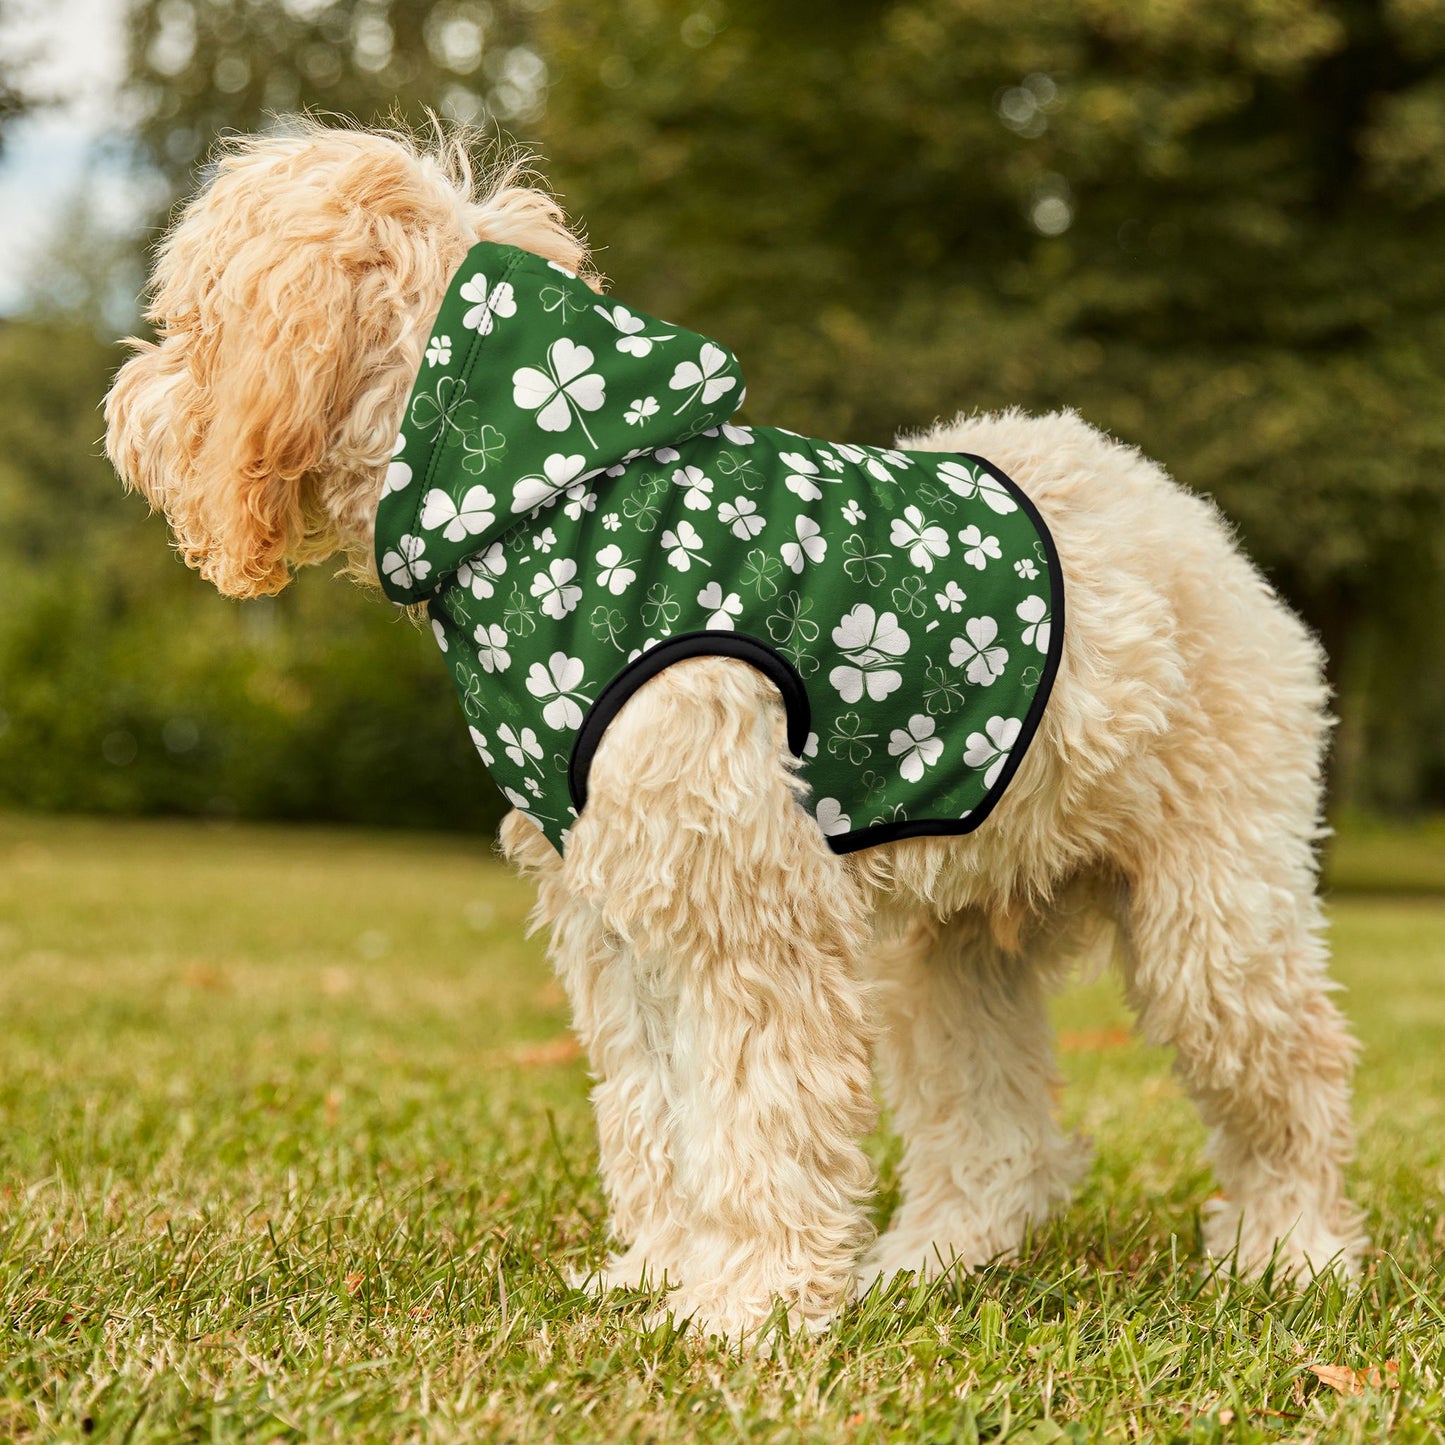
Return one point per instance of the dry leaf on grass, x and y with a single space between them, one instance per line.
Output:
560 1050
1102 1039
1347 1381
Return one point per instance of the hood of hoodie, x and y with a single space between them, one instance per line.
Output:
531 386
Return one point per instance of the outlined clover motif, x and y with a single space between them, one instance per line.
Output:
848 740
486 447
446 406
760 572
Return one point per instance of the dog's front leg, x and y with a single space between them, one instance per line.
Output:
742 931
624 1026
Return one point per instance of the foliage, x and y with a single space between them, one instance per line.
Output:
15 98
127 686
1216 229
287 1154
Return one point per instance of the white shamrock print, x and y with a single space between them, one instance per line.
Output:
406 565
991 748
978 653
722 609
492 651
565 384
518 800
470 519
611 521
740 516
923 540
558 685
810 546
803 474
870 642
439 351
639 411
685 546
831 817
916 748
556 588
697 489
546 540
632 342
439 632
739 436
877 469
499 303
1035 611
978 549
520 746
479 742
398 474
853 514
617 573
1026 569
703 376
964 483
479 572
580 498
561 472
952 598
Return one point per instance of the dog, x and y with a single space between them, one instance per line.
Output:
731 975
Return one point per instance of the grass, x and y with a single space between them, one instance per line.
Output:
292 1147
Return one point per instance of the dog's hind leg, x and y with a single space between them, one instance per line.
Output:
1225 961
966 1059
744 930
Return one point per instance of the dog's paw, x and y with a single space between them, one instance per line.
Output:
757 1325
633 1270
897 1254
1297 1248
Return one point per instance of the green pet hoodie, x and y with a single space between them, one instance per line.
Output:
573 503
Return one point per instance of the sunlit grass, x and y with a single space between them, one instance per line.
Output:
290 1148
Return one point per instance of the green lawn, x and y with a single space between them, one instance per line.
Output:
292 1147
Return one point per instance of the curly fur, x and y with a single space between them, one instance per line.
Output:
729 975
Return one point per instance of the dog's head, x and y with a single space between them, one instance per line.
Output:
291 302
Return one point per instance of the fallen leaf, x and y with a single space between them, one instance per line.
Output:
1096 1041
560 1050
203 975
1347 1381
354 1283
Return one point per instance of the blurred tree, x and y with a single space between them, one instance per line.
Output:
15 98
1216 227
1218 230
202 67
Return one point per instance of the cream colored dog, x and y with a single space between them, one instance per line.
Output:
729 975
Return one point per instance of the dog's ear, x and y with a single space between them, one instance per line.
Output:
225 421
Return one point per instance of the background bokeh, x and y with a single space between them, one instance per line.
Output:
1214 227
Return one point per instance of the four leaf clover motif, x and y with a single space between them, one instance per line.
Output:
487 306
916 747
458 520
703 378
566 389
558 685
980 654
871 642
